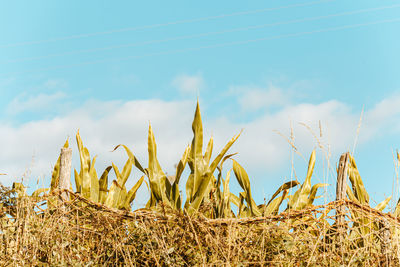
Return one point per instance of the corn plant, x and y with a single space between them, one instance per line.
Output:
223 198
91 187
251 209
202 187
364 229
306 194
161 190
244 182
201 179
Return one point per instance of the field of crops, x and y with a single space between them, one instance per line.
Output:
92 222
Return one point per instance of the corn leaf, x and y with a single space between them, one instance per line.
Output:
272 207
314 192
283 187
351 195
113 195
126 171
103 185
196 161
244 182
357 183
235 200
207 155
216 161
157 178
78 181
381 206
84 157
397 209
132 193
181 165
94 182
200 193
131 156
39 191
301 197
175 194
225 206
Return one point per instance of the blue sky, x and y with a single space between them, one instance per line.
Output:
108 68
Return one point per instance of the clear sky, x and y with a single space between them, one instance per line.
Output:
109 68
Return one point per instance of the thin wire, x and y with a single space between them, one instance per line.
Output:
85 35
211 46
359 11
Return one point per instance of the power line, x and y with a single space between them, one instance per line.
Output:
211 46
347 13
151 26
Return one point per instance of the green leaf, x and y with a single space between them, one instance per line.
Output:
131 156
207 155
39 191
226 196
84 157
272 207
196 161
381 206
157 177
78 181
197 142
103 185
94 182
244 182
216 161
132 193
283 187
300 198
181 165
314 192
357 183
351 195
397 209
113 195
200 193
235 200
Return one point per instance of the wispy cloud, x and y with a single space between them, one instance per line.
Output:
382 118
254 98
56 84
189 83
38 102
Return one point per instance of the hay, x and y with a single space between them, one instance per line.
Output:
84 232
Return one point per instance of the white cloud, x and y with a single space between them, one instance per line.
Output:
55 84
103 124
188 83
261 148
255 98
383 116
41 101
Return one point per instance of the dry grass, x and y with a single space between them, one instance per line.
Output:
84 232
